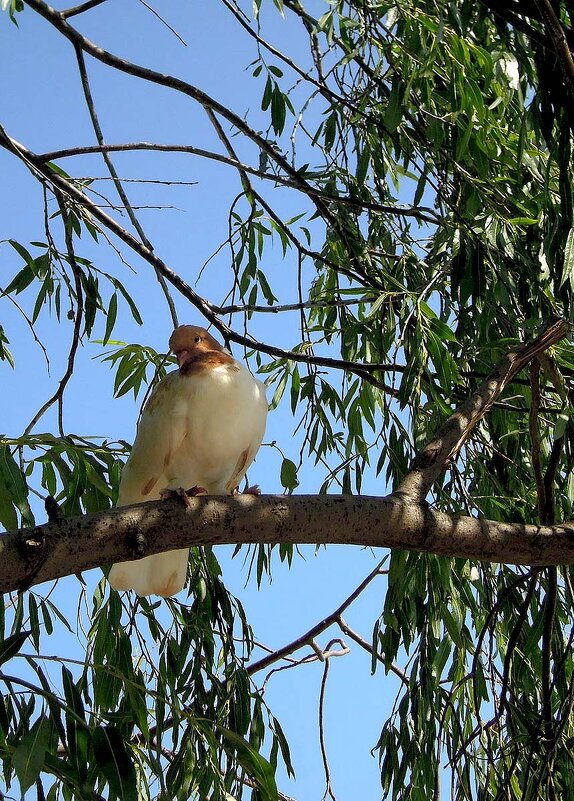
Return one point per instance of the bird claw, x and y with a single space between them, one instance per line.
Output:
183 495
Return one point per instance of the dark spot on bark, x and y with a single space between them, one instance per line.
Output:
136 542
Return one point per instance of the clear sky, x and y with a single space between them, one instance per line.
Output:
41 105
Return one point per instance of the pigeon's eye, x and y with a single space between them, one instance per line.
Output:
197 340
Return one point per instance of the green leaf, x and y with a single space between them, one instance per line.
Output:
278 394
267 291
8 516
129 300
20 281
28 758
329 130
394 111
267 94
114 761
15 483
278 110
253 763
76 728
21 250
111 319
289 478
45 289
568 268
11 645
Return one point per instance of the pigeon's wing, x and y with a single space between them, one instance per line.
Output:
257 417
162 429
161 432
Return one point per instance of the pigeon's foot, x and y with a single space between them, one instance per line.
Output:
183 495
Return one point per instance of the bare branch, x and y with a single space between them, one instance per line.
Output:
81 543
419 212
318 628
72 12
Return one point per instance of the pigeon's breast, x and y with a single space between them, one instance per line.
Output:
225 410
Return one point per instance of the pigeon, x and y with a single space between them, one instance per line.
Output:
200 430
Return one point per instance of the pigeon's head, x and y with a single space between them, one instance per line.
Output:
190 342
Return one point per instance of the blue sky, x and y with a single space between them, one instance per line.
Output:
42 106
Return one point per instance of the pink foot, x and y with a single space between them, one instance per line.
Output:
183 495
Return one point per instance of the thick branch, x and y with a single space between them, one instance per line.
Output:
437 454
80 543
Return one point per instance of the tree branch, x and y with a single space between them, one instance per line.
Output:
71 12
436 455
171 82
422 213
80 543
58 395
209 310
115 178
318 628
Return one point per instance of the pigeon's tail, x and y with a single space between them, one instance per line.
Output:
160 574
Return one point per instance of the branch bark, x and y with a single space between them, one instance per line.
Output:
31 556
440 451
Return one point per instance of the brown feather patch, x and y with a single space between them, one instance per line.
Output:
239 468
149 486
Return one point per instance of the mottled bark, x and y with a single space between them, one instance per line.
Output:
68 546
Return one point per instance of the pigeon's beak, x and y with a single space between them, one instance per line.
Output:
182 357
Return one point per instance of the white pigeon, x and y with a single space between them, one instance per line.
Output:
201 427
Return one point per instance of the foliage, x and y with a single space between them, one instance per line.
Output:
410 162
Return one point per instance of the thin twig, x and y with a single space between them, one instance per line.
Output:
30 326
71 12
78 317
366 646
324 757
535 438
423 213
318 628
420 212
115 178
162 20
